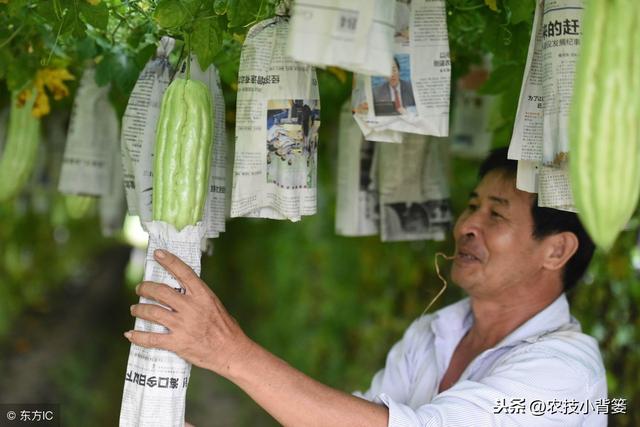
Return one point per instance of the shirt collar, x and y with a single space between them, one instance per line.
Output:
457 319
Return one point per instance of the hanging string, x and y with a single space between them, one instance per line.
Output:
444 281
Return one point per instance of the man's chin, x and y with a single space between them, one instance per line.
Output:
462 277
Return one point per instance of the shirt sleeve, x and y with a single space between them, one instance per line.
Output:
531 388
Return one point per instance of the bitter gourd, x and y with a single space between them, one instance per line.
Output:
182 156
605 119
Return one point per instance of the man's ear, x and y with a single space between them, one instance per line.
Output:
559 248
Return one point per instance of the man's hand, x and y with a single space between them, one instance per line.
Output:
202 332
200 329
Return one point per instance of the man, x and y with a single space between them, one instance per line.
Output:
510 354
396 91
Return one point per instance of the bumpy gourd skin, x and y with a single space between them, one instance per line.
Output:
20 148
604 127
182 156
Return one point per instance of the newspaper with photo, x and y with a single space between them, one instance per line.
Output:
86 163
470 135
139 130
355 35
155 384
357 208
541 129
415 96
414 189
277 122
215 207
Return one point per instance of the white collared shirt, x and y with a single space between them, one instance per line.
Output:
547 359
393 91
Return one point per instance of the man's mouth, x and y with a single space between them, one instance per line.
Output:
467 256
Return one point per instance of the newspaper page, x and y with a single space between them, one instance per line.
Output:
277 121
85 164
214 210
156 381
526 140
541 128
470 135
415 98
357 208
551 182
355 35
414 189
139 130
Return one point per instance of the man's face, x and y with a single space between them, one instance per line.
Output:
495 248
395 75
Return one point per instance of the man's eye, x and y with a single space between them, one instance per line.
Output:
496 214
472 207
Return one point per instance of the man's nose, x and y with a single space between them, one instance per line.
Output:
468 227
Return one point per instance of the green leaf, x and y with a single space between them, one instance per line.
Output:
5 61
519 10
126 73
104 70
220 7
79 29
16 7
119 69
502 79
144 54
206 40
18 73
170 14
86 48
47 12
96 16
242 12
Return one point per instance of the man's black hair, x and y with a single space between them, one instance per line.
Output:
547 221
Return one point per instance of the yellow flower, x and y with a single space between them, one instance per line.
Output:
52 79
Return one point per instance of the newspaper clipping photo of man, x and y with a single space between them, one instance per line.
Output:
394 96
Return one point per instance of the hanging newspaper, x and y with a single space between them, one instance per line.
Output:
86 163
156 380
540 135
277 121
357 209
214 210
139 130
414 189
415 98
355 35
470 134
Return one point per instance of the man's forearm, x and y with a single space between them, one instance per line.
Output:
203 333
295 399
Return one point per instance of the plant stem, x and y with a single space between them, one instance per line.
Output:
15 33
